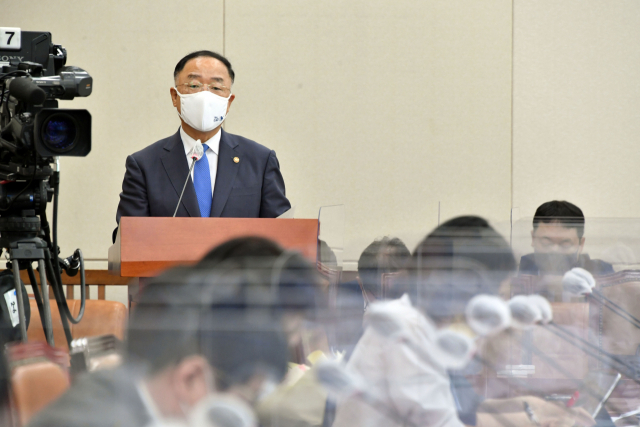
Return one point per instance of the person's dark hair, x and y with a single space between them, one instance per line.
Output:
296 278
461 258
561 212
241 247
386 255
180 65
326 255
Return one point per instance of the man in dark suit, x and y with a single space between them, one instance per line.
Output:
236 177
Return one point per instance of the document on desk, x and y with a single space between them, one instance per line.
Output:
289 214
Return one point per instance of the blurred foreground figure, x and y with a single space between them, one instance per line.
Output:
5 402
403 374
558 240
383 257
450 265
205 344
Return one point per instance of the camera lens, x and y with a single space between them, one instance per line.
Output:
59 132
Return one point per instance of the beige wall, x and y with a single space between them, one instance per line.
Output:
387 107
577 105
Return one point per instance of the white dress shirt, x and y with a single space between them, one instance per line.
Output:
212 153
416 390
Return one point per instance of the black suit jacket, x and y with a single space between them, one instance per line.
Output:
251 188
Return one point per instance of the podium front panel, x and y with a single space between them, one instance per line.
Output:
146 246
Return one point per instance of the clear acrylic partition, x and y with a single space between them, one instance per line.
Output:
407 346
417 351
321 335
331 235
592 338
331 248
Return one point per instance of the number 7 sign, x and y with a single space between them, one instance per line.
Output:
10 38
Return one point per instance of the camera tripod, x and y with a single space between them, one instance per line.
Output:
20 236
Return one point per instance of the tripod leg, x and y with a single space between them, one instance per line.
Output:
34 286
38 297
18 287
60 298
48 329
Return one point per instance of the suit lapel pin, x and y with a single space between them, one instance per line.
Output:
236 160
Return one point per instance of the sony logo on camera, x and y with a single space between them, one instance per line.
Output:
6 58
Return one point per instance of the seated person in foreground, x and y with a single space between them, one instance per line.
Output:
458 260
215 334
558 240
388 255
383 256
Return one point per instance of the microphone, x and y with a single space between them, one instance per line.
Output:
524 314
26 90
196 154
453 350
487 314
579 282
380 317
334 377
546 312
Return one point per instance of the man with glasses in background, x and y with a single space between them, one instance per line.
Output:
236 177
558 240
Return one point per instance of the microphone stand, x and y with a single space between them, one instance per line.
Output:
628 372
555 365
598 297
194 157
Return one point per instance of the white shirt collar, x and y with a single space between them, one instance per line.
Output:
149 403
213 143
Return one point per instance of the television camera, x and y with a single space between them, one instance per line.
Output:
34 133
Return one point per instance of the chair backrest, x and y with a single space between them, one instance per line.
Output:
100 318
35 333
39 375
35 385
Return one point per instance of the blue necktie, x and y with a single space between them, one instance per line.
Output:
202 183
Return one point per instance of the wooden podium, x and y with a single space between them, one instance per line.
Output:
145 246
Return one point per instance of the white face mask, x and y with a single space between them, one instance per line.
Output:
222 410
203 111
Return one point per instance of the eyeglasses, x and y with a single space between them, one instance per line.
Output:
196 86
